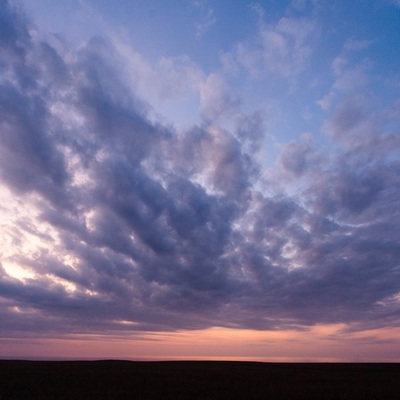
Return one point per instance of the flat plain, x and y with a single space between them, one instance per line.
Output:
197 380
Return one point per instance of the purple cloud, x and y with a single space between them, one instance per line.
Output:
176 230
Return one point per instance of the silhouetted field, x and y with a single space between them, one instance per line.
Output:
197 380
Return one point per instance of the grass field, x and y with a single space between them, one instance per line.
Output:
197 380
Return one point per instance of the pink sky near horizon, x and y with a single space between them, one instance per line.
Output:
318 344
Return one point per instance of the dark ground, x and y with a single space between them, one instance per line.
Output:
196 380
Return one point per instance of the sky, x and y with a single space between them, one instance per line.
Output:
200 180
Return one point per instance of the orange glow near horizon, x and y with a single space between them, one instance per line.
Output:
322 343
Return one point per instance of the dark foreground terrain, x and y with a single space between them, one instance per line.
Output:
196 380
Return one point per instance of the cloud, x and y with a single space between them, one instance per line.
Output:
286 45
356 45
284 48
216 98
116 222
207 20
296 158
349 118
350 78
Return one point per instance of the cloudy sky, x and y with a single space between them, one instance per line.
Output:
200 179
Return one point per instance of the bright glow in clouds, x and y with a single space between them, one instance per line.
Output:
226 189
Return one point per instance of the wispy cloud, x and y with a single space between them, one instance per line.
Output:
207 20
284 48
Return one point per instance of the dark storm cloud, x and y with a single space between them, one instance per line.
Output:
170 230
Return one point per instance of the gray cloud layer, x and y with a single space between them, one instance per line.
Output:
180 230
